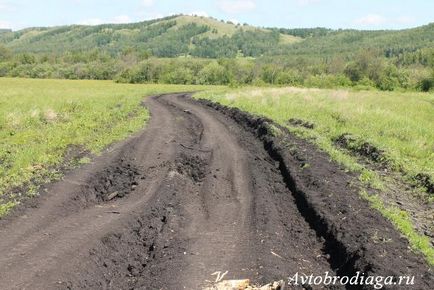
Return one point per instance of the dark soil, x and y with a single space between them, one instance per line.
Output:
329 201
378 158
361 148
424 180
203 189
301 123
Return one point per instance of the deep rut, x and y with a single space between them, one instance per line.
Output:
198 191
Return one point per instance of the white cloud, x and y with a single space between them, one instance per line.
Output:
198 13
371 19
148 3
121 19
236 6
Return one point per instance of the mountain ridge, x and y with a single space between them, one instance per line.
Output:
180 30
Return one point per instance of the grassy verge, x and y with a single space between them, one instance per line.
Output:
40 120
400 125
403 223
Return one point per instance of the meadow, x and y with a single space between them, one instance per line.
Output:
44 121
400 125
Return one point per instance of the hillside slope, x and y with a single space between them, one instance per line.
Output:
321 41
206 37
165 37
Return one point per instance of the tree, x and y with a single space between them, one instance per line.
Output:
214 74
269 73
288 78
431 61
26 58
5 54
180 75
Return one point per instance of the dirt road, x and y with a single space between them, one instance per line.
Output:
202 189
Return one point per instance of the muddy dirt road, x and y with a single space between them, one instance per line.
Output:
201 189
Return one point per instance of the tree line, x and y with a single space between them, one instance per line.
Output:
367 69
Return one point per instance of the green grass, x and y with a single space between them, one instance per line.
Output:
401 124
41 119
403 223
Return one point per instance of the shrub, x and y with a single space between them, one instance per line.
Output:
328 81
145 72
5 68
214 74
354 72
180 75
288 78
426 84
41 71
391 78
269 73
5 54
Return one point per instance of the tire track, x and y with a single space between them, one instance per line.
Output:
231 212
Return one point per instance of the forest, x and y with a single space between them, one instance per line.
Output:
197 50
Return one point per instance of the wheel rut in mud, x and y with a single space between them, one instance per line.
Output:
203 188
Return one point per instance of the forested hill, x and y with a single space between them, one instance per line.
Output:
200 50
390 43
205 37
167 37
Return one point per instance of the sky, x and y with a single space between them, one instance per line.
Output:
359 14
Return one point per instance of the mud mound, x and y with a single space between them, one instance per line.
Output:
113 182
372 153
129 258
361 148
301 123
424 180
193 166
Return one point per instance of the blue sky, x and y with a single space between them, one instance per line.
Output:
362 14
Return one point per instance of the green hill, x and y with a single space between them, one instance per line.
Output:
167 37
323 42
206 37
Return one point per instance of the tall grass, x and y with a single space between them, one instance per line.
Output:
401 124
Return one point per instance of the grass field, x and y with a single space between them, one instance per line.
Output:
40 120
399 125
